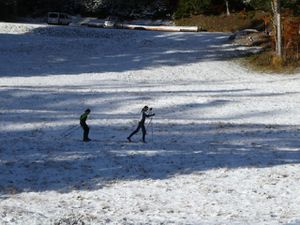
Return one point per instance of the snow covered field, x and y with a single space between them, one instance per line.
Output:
223 148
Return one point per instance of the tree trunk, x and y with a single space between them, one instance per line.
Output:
277 21
227 8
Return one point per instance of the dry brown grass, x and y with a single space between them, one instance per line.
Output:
223 23
270 63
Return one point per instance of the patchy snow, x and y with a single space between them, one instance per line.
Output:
223 147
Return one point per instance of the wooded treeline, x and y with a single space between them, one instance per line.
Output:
10 9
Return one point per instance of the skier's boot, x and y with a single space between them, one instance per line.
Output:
86 140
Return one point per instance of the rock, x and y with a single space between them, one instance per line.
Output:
251 37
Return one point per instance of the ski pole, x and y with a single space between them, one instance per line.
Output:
69 131
150 118
152 131
149 123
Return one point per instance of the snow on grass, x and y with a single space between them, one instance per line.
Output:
223 147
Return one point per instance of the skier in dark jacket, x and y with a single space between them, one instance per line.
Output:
84 126
144 114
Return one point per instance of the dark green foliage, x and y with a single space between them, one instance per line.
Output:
187 8
294 5
100 8
8 10
260 4
137 8
92 8
265 5
41 7
191 7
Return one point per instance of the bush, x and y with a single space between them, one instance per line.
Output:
223 23
191 7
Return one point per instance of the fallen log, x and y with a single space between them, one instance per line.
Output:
146 27
159 28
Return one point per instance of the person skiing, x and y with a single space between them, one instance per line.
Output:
84 126
144 114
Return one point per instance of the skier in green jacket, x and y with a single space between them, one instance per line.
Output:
84 126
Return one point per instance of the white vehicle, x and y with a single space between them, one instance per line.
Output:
59 18
111 22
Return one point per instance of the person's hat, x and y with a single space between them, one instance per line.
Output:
87 110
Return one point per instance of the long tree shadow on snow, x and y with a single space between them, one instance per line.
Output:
47 104
35 156
48 163
71 50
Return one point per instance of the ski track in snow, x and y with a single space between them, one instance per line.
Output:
223 147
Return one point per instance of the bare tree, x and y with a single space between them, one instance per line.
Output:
277 24
227 8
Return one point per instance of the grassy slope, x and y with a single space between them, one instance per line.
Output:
265 61
223 23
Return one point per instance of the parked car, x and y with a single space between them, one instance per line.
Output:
111 21
59 18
